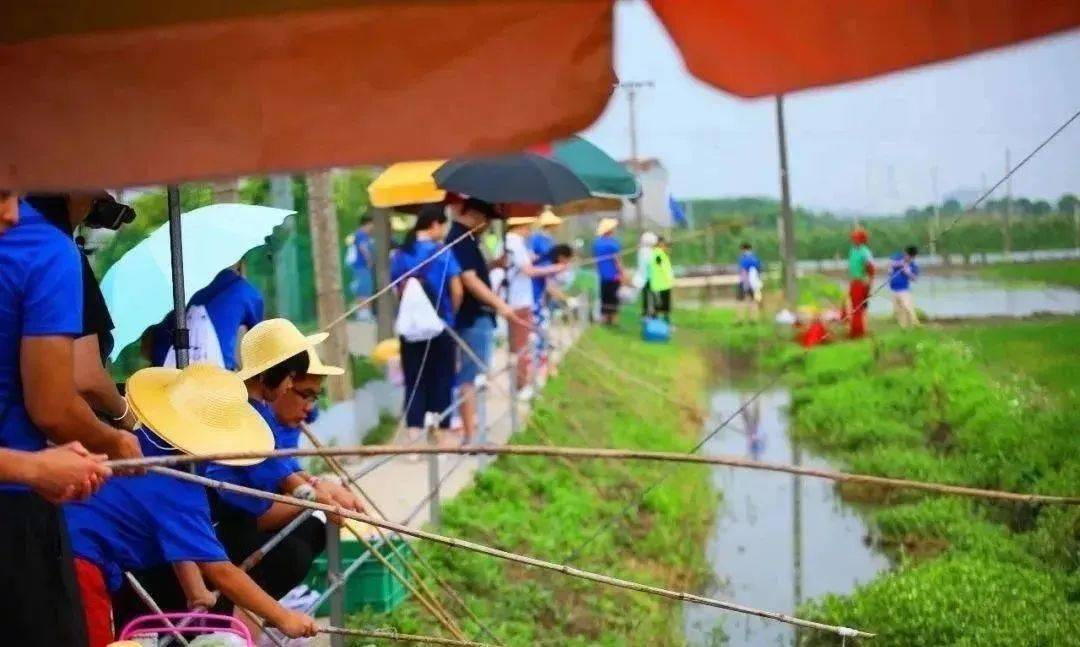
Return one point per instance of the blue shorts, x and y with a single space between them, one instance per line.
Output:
479 337
362 284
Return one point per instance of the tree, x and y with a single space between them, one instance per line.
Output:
1067 203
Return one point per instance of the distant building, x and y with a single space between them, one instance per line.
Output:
653 178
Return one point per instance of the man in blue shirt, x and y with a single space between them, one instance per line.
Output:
902 271
606 250
360 256
40 316
749 287
232 304
475 319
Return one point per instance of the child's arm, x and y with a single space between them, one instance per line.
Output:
194 587
244 592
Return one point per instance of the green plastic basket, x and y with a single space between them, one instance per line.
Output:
371 585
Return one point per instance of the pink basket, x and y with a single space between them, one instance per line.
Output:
187 624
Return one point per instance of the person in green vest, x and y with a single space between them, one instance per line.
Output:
861 274
661 278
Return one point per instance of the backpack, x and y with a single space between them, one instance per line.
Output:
417 318
205 346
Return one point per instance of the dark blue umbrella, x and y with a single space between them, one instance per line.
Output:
516 177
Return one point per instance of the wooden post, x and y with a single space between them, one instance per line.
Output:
385 304
333 575
434 512
326 257
787 219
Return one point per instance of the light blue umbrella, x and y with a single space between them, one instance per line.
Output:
138 287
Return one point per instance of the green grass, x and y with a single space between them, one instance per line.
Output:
364 371
383 432
548 508
1044 350
966 406
1052 272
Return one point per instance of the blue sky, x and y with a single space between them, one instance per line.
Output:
861 147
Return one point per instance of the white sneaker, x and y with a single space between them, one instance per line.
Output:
525 394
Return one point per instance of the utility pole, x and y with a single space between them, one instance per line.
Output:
1007 239
787 241
936 225
631 88
326 257
1076 225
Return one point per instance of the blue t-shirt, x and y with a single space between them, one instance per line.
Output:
362 244
749 260
899 281
540 244
606 248
139 522
266 476
41 294
231 301
436 275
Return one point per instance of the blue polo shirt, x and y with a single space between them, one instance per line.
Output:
41 295
139 522
748 260
898 280
436 274
362 243
540 244
266 476
231 301
606 248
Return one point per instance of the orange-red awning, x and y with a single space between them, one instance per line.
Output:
754 48
129 92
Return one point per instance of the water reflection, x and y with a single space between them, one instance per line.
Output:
959 295
777 539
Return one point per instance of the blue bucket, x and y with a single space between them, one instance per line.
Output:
655 330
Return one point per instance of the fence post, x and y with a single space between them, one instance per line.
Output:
512 372
333 570
434 513
481 414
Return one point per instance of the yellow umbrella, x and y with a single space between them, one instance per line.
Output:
406 183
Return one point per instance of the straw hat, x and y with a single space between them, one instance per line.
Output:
316 366
521 220
607 225
202 409
549 219
386 350
271 342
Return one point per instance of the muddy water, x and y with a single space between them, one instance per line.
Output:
778 539
959 295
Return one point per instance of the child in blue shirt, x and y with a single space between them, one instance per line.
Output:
902 271
143 522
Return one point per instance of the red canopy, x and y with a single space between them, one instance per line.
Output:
129 92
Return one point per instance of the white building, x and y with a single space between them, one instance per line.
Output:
653 178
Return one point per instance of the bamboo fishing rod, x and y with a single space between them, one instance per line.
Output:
393 635
612 454
514 557
349 481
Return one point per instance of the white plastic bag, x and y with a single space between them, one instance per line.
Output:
416 318
202 338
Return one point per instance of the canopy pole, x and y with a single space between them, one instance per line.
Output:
180 340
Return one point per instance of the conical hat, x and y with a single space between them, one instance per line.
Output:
270 343
202 409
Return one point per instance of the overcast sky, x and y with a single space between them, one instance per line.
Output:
860 147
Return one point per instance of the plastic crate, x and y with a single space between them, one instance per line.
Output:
372 585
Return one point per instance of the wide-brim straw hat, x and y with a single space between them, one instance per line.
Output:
549 219
607 225
386 350
202 409
521 220
270 343
316 366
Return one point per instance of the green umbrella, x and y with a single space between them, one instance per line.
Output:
605 177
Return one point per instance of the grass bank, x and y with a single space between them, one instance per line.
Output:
1051 272
987 406
548 508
